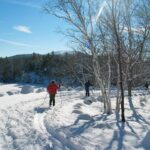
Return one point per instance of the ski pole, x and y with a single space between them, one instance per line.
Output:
45 98
92 90
60 94
60 97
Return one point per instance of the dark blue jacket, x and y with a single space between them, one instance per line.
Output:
87 85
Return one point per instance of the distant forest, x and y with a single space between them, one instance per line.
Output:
72 68
36 68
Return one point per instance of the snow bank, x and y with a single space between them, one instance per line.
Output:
27 89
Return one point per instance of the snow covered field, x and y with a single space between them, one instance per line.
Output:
26 122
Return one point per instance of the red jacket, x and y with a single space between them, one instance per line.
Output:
52 88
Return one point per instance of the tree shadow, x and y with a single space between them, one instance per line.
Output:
138 118
145 142
121 132
118 135
77 130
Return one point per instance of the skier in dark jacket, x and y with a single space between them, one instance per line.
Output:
146 86
87 85
52 90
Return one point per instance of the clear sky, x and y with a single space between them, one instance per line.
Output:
25 28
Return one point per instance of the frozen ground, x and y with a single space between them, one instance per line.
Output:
26 122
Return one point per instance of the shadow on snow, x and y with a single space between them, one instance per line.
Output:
41 109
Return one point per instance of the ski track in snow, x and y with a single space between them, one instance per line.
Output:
28 129
31 125
59 140
17 130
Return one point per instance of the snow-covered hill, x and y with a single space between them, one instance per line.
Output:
75 123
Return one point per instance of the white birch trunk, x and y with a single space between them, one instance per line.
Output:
109 82
107 108
118 93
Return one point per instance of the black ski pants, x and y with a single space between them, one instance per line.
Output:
52 99
87 92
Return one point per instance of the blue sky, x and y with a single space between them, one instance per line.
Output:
25 28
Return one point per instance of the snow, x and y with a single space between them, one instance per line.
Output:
27 89
75 123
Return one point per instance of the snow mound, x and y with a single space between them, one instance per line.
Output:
70 89
84 117
27 89
12 92
63 88
88 100
1 94
9 92
99 98
143 101
77 112
41 109
79 88
40 90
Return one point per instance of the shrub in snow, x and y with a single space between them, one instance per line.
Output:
27 89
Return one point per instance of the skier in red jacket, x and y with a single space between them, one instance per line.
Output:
52 90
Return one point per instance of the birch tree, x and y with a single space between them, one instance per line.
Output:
111 19
128 25
136 33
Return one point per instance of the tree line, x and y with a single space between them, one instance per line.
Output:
73 68
36 68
